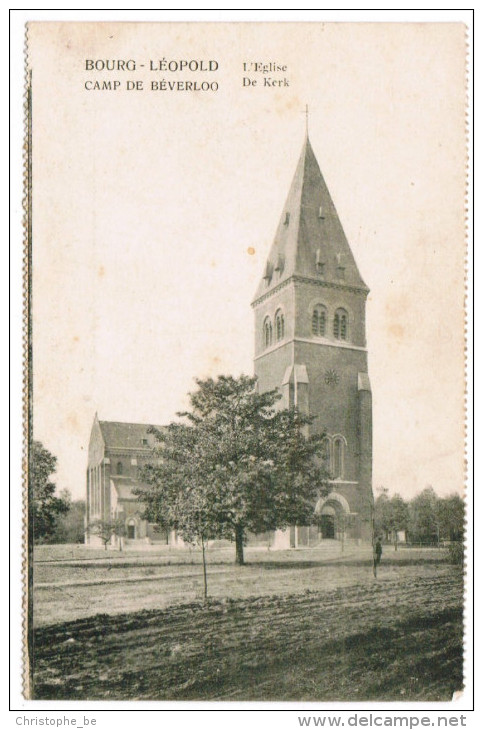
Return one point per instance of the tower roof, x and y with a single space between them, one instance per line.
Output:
310 241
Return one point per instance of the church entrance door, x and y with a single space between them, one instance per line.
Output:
327 527
131 532
331 513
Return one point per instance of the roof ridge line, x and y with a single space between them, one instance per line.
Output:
130 423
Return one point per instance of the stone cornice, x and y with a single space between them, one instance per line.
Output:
129 451
330 343
269 293
311 341
296 279
329 284
273 348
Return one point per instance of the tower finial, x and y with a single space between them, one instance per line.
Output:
307 121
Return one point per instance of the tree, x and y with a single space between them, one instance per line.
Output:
70 526
392 514
424 523
382 511
105 529
46 508
399 516
341 522
235 465
176 497
451 517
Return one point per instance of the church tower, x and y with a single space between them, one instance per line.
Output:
310 343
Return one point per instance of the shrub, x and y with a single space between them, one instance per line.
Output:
456 553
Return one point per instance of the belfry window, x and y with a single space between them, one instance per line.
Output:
338 458
119 467
267 332
279 325
340 325
343 326
319 320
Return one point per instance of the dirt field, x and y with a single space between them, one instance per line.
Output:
67 588
393 639
300 625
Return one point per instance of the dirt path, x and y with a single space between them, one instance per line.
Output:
68 593
129 579
400 639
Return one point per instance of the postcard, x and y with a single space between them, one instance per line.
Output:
245 420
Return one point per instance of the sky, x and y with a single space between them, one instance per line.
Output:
154 211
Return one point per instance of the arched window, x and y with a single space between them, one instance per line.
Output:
267 332
338 469
341 325
319 319
279 325
326 453
119 467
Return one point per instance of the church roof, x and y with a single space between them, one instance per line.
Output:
127 435
310 241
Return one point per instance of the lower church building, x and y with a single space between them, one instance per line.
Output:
310 343
117 453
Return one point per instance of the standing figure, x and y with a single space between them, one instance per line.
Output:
378 550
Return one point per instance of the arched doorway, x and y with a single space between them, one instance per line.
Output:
131 529
332 516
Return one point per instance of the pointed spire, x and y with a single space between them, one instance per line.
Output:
310 239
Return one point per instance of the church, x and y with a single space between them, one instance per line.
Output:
310 343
